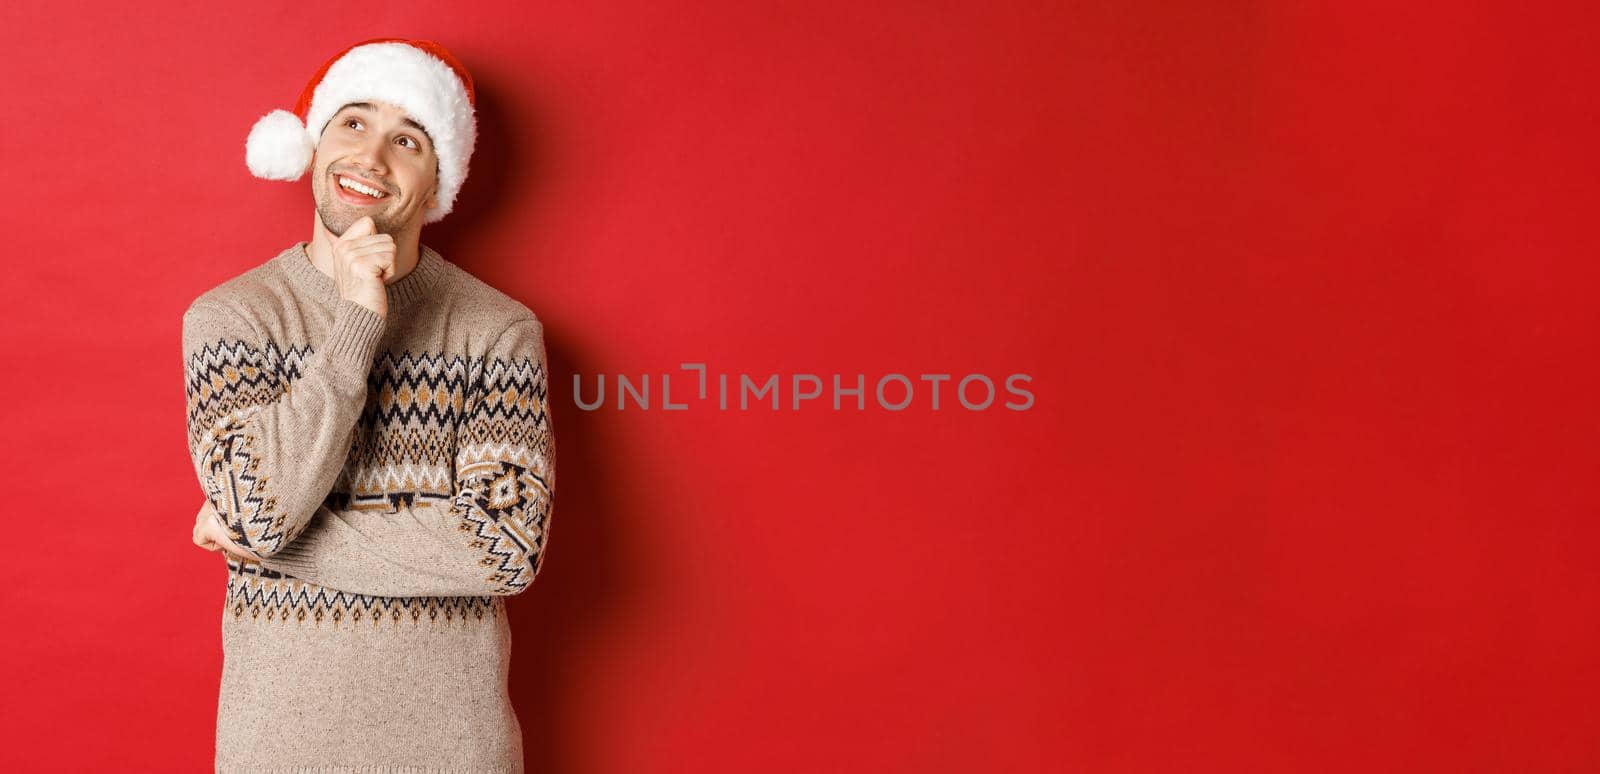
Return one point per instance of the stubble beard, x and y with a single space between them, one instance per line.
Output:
337 217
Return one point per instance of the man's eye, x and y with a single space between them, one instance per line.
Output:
414 145
349 121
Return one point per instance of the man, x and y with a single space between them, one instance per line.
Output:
370 426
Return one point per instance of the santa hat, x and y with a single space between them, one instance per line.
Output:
418 76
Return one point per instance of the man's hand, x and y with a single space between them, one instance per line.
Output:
362 260
209 534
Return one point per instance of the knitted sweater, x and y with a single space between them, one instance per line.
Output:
395 474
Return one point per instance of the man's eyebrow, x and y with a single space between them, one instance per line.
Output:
406 121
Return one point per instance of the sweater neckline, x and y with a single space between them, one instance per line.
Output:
413 287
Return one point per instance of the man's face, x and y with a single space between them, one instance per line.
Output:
376 145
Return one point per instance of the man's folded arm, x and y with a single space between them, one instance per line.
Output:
268 432
488 538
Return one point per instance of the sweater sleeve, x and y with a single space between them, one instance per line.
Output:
267 443
489 537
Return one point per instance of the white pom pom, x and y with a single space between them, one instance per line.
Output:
279 148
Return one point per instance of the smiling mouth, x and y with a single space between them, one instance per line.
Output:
357 192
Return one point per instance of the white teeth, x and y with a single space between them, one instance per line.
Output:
354 186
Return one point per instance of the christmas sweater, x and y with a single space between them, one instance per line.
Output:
395 476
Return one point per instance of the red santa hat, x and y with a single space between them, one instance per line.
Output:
418 76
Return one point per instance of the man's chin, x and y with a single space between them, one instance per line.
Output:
340 221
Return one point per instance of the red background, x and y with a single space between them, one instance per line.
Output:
1307 296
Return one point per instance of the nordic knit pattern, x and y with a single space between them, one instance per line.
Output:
396 476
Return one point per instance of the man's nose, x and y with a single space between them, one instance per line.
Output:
370 154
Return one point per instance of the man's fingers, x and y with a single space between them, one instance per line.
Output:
217 535
385 250
208 533
359 253
349 243
203 540
380 267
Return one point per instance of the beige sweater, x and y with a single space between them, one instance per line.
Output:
396 476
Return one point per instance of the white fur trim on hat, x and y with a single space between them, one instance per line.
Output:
397 73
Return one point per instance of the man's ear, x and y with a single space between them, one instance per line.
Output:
433 198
